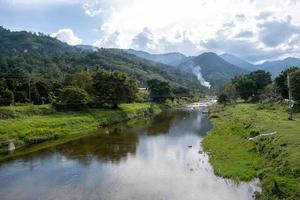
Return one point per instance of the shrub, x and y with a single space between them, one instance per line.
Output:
6 97
72 98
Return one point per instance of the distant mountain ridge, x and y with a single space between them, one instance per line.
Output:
173 58
274 67
238 62
210 69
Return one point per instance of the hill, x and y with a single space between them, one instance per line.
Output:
209 68
238 62
275 67
22 41
43 57
173 59
216 70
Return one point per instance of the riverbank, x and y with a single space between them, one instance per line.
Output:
29 125
274 158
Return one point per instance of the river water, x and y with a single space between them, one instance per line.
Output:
158 158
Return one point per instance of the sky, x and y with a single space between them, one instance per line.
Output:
254 30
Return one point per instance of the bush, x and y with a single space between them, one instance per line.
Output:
6 97
223 98
73 98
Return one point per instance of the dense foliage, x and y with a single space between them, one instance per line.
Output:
34 68
258 86
295 85
114 88
249 86
159 90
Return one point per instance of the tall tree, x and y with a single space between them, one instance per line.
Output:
245 87
295 85
261 78
281 82
114 88
84 80
159 90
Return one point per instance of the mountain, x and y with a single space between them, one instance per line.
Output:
216 70
172 59
22 41
238 62
210 69
46 58
275 67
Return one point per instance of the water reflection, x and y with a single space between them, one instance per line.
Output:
155 159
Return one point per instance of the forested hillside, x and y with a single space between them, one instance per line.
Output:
43 57
208 67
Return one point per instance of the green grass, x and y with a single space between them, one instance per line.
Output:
274 159
27 128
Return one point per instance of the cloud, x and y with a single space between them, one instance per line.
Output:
110 41
240 17
274 33
144 40
189 26
67 35
30 3
263 15
244 34
244 48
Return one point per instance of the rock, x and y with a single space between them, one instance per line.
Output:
190 146
11 147
200 152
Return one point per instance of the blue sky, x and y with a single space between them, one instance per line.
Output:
255 30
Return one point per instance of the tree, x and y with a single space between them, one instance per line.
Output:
223 98
114 88
72 98
159 90
295 85
261 79
245 87
43 91
181 92
84 80
230 91
6 97
281 82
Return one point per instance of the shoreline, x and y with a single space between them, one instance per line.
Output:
36 132
234 156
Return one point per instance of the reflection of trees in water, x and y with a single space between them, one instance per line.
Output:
162 123
113 145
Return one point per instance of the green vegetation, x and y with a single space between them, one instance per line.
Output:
42 58
28 125
275 159
281 82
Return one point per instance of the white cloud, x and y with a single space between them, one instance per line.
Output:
67 35
109 41
30 3
194 26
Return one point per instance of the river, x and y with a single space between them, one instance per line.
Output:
157 158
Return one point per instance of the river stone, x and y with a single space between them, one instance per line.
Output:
11 146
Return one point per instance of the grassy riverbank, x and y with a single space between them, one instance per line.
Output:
275 159
28 125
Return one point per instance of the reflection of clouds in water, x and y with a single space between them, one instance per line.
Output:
163 167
